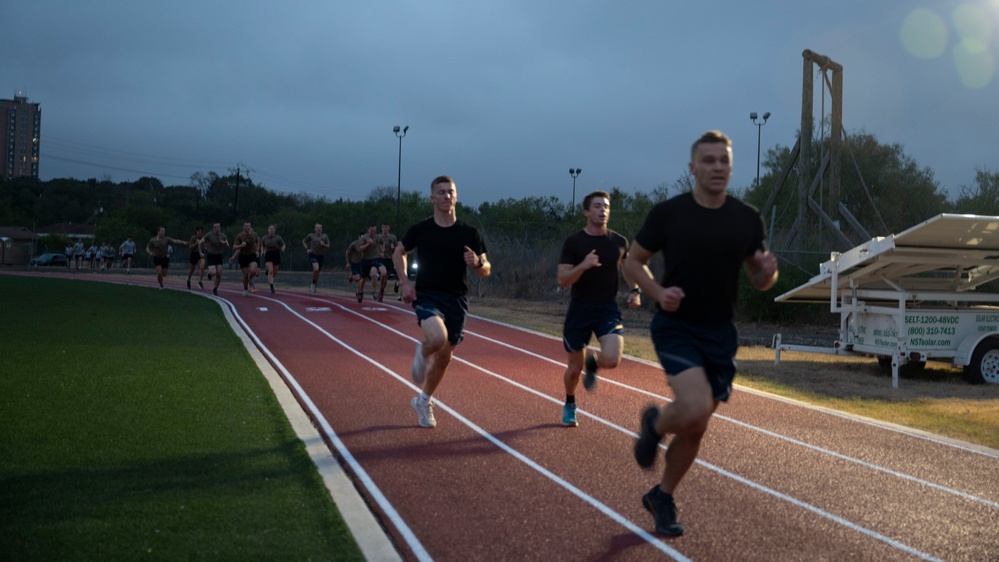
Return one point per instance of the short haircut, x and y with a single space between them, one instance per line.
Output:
589 197
440 179
709 137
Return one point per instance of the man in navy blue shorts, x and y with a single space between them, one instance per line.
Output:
589 264
447 247
706 237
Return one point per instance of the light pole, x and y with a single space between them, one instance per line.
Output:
574 172
759 127
399 132
98 212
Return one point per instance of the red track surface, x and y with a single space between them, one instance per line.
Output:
501 479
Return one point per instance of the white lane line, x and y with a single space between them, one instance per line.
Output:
384 503
407 534
907 431
775 435
825 514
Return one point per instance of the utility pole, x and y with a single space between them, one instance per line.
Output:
235 199
398 186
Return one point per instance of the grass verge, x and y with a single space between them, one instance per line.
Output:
135 425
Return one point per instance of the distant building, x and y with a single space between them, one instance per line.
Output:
19 142
17 245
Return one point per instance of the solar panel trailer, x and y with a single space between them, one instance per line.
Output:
912 297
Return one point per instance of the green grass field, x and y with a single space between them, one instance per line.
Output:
135 425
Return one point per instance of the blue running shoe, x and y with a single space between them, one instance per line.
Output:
569 415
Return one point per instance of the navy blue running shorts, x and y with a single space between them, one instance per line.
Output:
451 308
682 345
590 317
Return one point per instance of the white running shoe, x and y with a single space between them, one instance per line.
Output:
418 370
424 412
245 292
313 288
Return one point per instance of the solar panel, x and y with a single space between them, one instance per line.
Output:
942 259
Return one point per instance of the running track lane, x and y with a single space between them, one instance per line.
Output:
500 479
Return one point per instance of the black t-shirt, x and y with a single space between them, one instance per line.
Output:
703 250
596 283
442 254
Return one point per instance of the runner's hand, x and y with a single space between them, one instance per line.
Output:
634 300
591 260
408 293
670 297
471 258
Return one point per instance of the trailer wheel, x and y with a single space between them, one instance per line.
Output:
984 366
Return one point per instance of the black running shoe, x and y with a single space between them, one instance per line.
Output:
360 297
215 291
663 511
590 372
201 285
188 284
647 443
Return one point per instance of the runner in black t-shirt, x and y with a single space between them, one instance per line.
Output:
589 263
447 247
705 236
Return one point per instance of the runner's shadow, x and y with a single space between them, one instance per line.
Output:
433 446
619 545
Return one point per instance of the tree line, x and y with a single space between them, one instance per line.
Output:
883 187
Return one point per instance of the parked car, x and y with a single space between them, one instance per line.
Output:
49 259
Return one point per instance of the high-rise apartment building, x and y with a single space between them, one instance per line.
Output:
22 128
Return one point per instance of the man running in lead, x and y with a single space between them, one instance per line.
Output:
589 264
705 236
447 247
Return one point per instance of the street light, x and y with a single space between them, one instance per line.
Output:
98 212
574 172
759 127
398 195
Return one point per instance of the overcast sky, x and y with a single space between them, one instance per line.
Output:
503 96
